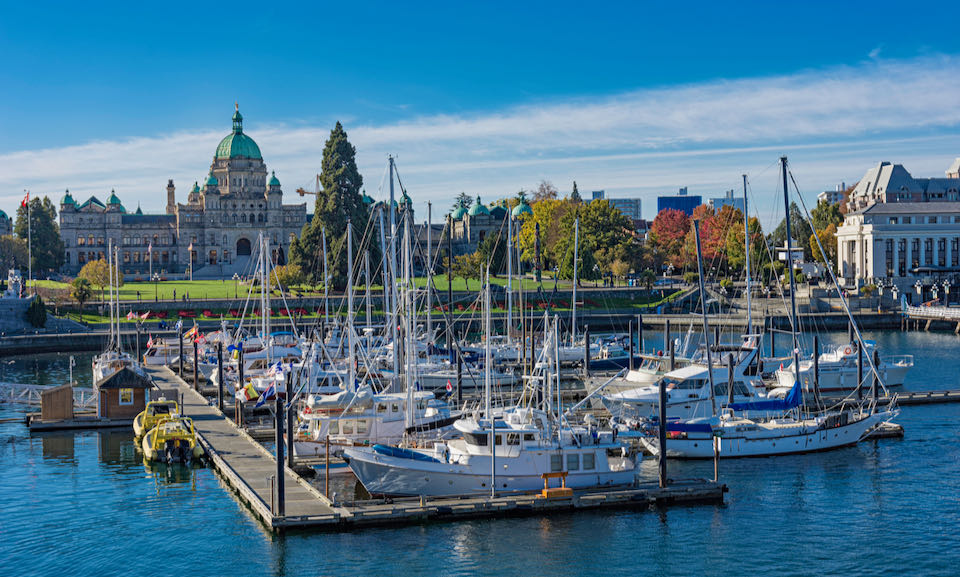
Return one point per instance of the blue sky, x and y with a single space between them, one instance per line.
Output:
635 98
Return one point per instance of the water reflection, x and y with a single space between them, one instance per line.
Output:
117 447
59 446
174 474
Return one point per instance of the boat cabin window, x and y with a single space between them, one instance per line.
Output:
381 407
394 408
361 426
589 461
573 462
346 427
498 440
513 438
479 440
529 437
556 463
739 388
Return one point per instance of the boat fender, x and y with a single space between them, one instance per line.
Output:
848 351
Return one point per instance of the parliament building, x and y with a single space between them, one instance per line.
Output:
215 231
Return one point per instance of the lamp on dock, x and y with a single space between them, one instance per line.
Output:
946 292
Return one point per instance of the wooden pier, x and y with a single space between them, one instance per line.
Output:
249 468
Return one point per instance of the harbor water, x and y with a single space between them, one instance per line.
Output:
85 503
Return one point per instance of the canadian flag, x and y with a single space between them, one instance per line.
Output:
25 200
150 342
131 315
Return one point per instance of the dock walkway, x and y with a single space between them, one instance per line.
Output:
245 463
247 467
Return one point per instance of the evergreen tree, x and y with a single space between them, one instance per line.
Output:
339 200
47 247
799 227
13 253
465 199
37 313
575 195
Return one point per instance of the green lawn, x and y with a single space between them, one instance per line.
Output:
228 289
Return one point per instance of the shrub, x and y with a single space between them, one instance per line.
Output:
37 313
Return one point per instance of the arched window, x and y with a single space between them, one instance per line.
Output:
260 217
252 218
234 219
243 217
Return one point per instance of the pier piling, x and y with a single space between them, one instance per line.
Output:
630 352
220 376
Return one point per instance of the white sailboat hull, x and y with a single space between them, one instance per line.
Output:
803 438
388 475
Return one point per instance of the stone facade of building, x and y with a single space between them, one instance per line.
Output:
899 230
216 230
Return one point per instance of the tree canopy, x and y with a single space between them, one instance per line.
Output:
47 246
799 228
97 273
339 200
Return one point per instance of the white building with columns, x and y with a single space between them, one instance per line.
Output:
899 230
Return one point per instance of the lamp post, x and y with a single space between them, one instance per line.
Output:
156 277
946 292
919 286
556 275
236 281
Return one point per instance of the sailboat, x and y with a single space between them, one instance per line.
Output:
787 428
113 359
501 451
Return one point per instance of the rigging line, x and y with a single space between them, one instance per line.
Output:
843 301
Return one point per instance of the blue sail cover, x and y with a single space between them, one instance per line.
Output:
681 427
791 401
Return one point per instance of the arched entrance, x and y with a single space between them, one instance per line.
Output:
243 247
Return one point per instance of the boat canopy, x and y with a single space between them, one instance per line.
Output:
791 401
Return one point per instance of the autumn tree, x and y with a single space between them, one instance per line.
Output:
289 275
548 214
828 238
667 235
619 269
97 273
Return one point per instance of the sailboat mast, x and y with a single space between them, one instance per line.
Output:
576 259
116 274
326 280
706 323
746 248
410 350
487 362
509 273
393 274
429 273
351 360
366 276
793 282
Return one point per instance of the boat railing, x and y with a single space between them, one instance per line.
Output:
898 360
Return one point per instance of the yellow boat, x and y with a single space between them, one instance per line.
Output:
150 416
173 440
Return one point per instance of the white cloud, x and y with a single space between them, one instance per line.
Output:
833 123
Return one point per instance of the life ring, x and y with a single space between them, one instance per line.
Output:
848 351
659 353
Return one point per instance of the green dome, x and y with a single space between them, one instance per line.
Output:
405 200
212 180
273 178
3 214
196 187
522 208
460 211
478 208
237 144
68 199
114 201
366 199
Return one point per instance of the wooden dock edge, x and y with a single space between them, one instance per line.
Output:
529 504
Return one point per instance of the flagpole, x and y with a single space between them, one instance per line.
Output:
29 243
